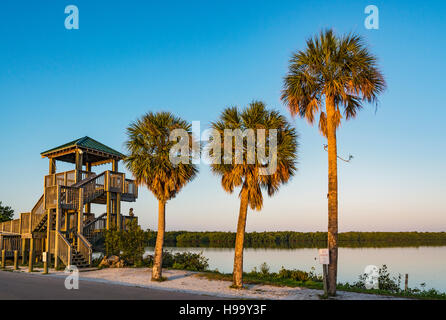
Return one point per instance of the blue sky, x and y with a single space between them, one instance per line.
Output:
196 57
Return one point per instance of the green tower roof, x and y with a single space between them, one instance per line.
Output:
86 144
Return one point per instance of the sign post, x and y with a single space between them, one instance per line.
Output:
45 262
324 259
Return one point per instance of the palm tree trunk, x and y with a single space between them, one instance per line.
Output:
239 241
332 197
158 260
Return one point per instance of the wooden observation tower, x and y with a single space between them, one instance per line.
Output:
62 222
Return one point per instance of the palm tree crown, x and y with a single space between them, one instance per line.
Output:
247 175
149 145
331 67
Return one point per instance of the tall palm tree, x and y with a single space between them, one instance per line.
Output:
332 74
149 148
247 173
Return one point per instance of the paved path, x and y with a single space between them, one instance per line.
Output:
15 285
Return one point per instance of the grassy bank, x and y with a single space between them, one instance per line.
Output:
278 279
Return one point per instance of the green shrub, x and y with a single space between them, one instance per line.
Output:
132 243
96 261
190 261
128 245
168 259
296 275
181 261
264 269
385 282
284 274
112 246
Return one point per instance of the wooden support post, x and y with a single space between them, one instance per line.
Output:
113 212
1 242
87 208
3 259
20 216
23 251
49 223
52 167
108 209
30 222
45 262
79 163
80 216
115 166
406 283
118 211
66 223
325 278
70 256
16 260
56 239
31 255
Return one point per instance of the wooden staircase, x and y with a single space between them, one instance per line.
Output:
93 230
42 224
78 259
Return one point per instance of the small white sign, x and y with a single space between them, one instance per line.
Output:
372 277
324 256
44 257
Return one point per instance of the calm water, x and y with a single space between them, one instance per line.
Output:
423 264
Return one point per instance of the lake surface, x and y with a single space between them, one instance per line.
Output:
423 264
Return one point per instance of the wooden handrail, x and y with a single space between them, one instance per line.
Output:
130 187
39 206
64 249
10 243
95 220
86 180
93 187
66 178
69 198
27 221
115 181
37 214
50 197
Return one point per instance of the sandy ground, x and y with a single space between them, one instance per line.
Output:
185 281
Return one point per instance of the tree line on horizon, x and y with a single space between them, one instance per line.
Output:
291 239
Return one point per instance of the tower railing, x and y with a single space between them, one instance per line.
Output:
64 250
